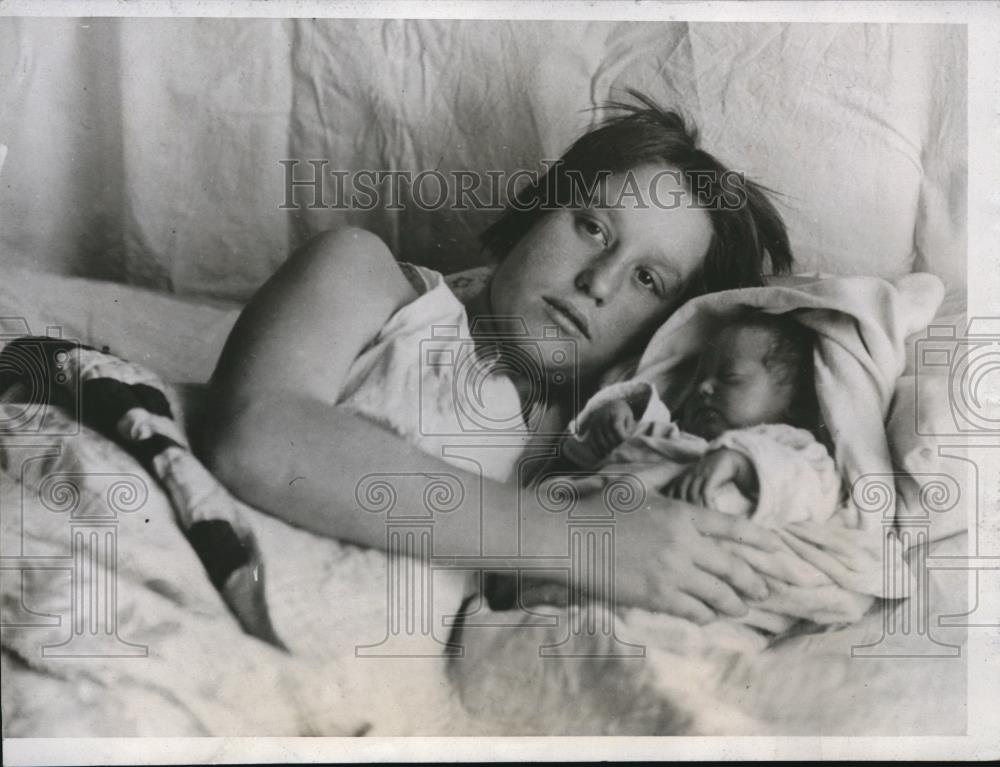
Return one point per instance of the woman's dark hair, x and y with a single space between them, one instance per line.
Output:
746 226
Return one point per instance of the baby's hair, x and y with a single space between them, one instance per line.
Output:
744 234
789 359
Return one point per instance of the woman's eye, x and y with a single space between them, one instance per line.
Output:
593 229
647 279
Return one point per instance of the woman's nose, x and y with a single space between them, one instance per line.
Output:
600 279
706 388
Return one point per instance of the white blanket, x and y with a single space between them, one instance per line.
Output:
176 661
861 325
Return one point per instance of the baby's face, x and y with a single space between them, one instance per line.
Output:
734 388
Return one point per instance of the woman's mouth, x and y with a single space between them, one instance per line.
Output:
567 316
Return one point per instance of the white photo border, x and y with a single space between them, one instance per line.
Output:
983 739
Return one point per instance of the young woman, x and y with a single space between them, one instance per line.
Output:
299 419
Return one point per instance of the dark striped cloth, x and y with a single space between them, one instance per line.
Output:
126 403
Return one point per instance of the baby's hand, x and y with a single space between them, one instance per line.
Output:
606 428
700 483
609 426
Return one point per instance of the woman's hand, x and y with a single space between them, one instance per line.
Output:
701 481
668 559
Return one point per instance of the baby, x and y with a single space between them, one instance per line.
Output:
744 440
744 443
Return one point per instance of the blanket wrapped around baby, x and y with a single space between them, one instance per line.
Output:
827 573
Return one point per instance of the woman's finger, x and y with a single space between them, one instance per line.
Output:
600 439
711 522
623 426
714 592
734 571
670 489
698 490
594 438
629 421
686 606
673 488
689 488
610 443
682 486
686 486
573 451
713 482
692 483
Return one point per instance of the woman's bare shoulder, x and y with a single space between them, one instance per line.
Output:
307 324
355 256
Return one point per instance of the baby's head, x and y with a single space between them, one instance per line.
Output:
756 370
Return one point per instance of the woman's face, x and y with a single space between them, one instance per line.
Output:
608 275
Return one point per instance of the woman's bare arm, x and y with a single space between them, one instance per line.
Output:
276 438
278 442
305 327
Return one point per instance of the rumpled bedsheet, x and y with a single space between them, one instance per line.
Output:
136 583
173 660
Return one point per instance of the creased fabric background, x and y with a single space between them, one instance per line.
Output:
147 151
